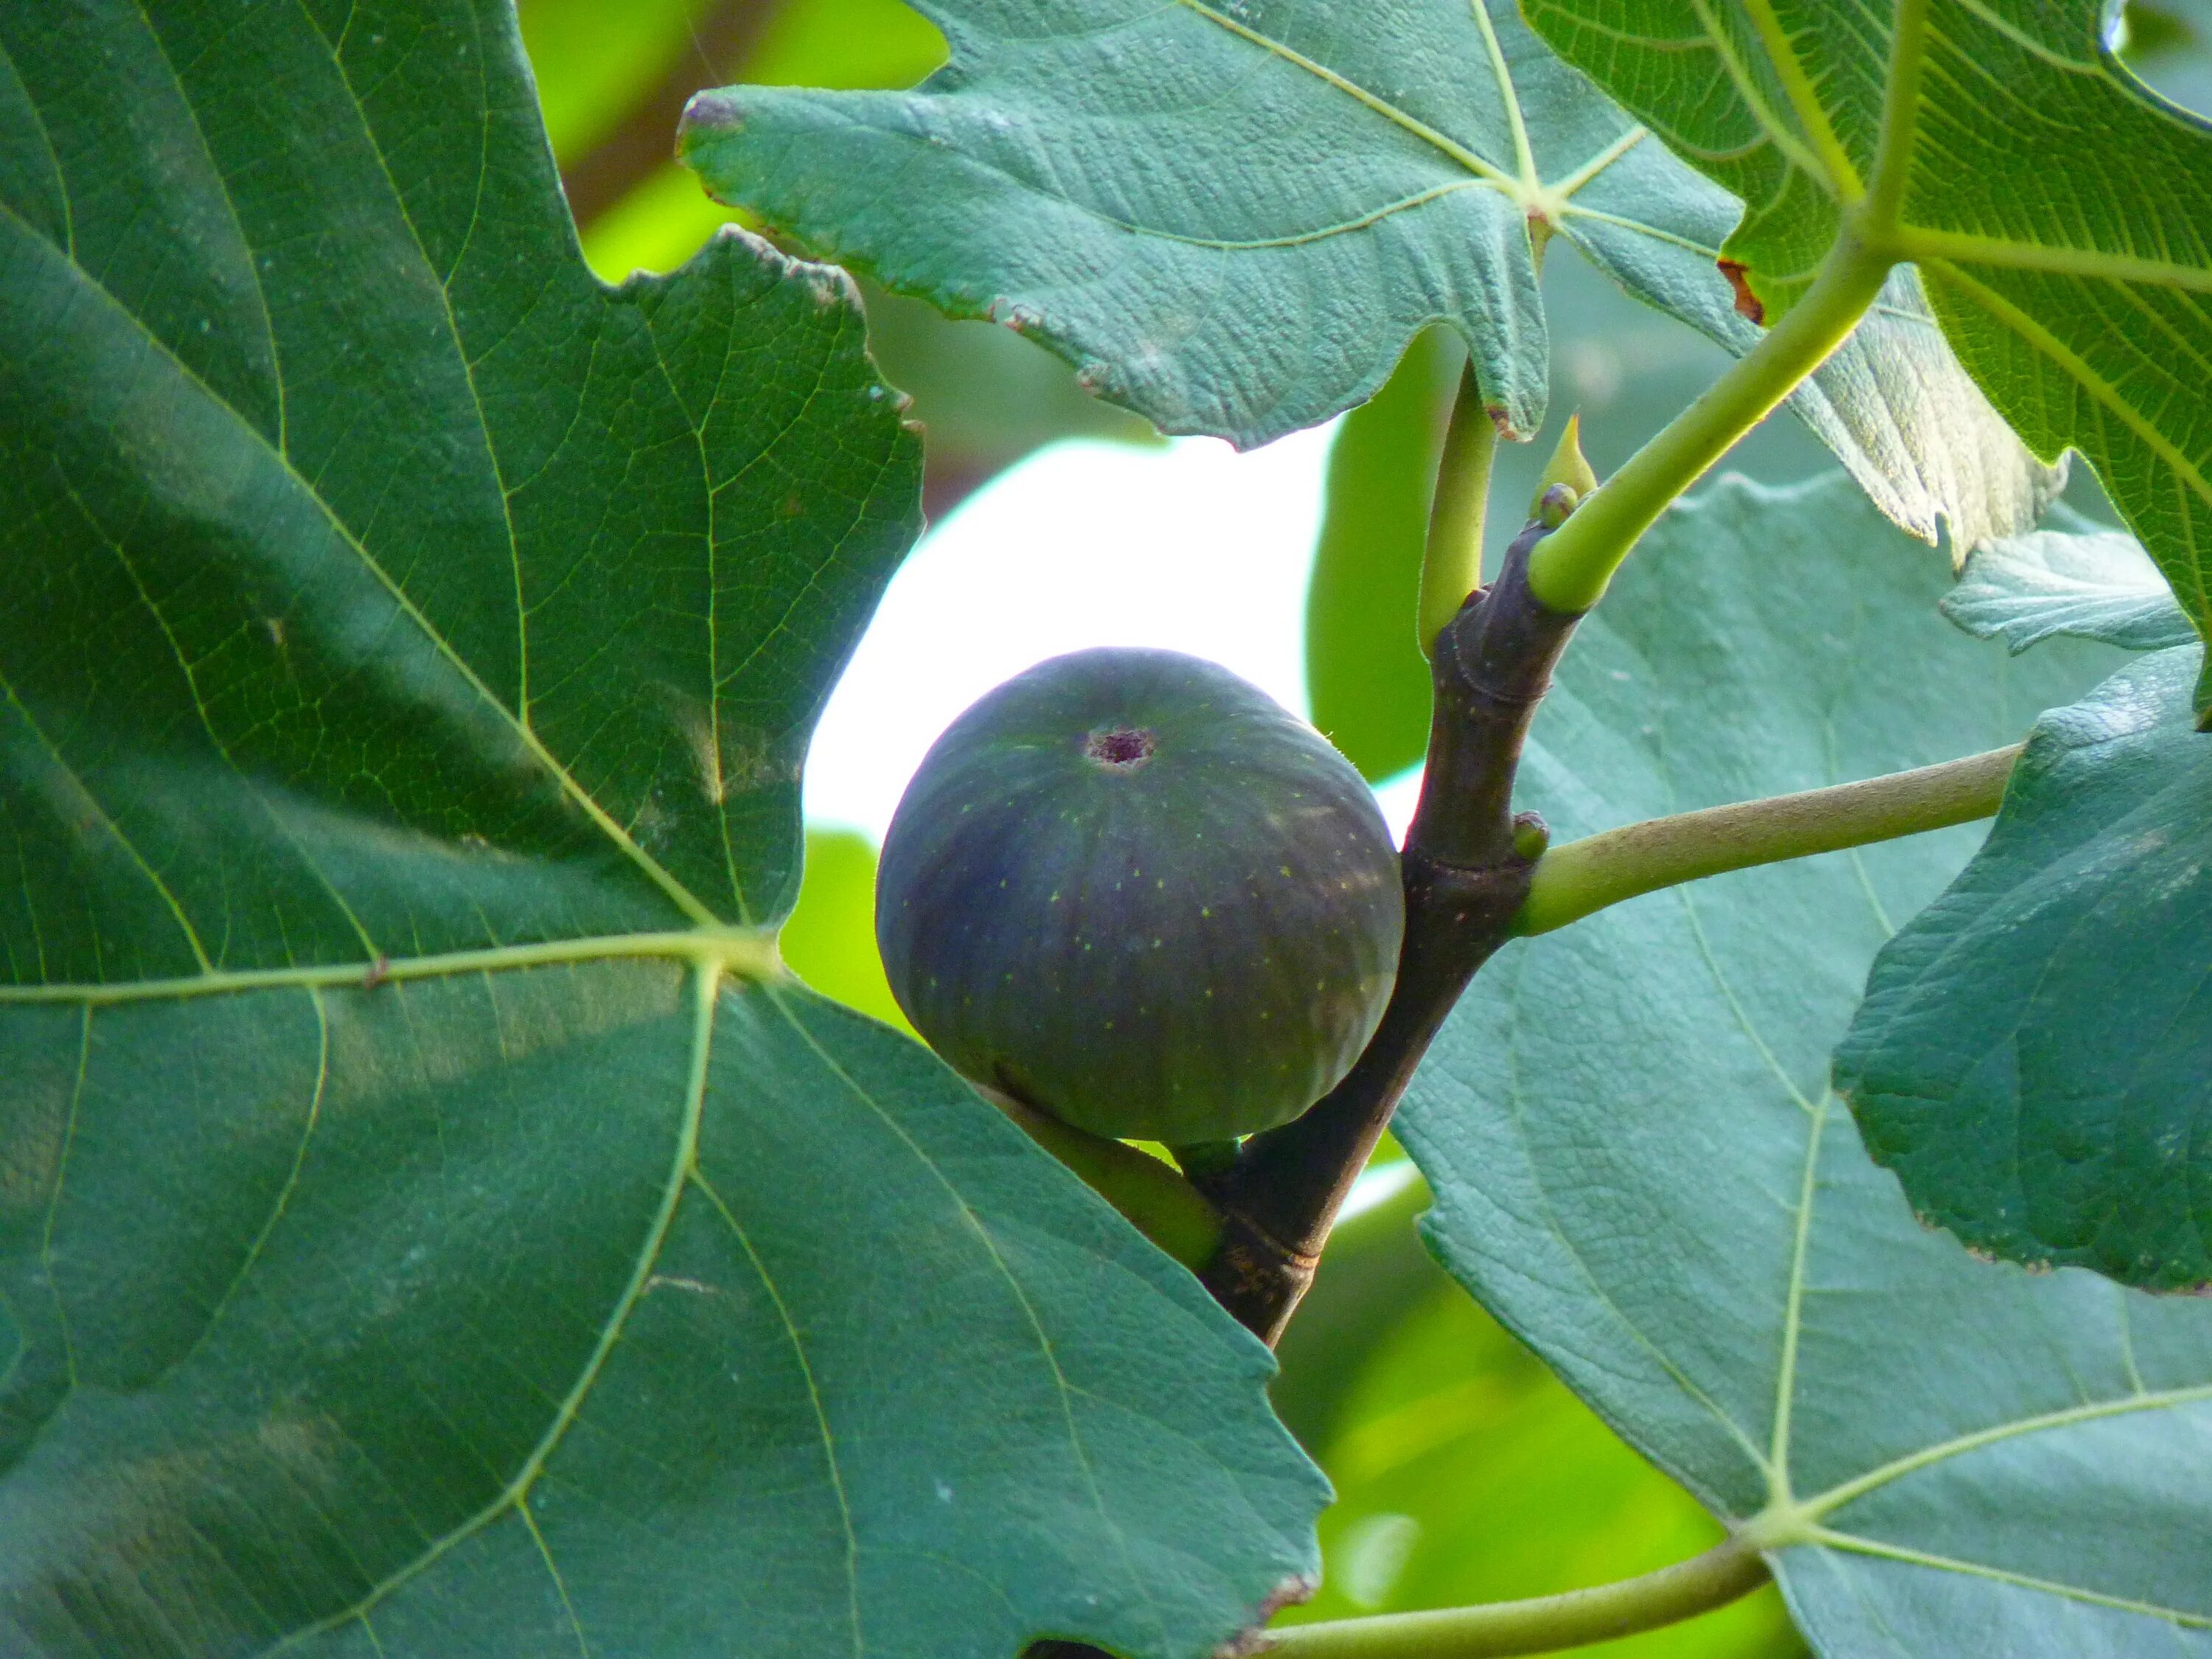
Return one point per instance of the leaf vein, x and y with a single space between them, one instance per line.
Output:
813 1398
1390 111
674 890
1860 1545
1021 1297
705 982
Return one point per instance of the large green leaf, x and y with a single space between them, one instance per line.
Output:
2034 1058
429 1222
1639 1167
1235 218
2060 213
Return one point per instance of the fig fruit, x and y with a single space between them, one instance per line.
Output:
1127 888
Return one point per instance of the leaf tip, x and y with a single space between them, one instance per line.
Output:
714 110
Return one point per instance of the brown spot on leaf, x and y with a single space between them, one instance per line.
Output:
1745 301
1288 1592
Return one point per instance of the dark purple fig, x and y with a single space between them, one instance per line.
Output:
1127 888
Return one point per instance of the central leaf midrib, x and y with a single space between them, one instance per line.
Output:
746 953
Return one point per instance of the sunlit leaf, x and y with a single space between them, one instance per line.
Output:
1236 219
843 43
1366 680
831 940
594 62
2059 212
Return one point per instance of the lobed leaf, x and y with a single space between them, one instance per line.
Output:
430 1222
2034 1055
1640 1168
2058 211
1234 218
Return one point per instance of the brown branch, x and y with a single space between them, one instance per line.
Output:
1464 880
646 140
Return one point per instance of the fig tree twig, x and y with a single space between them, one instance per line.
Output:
1465 877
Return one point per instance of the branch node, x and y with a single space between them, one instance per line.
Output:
1466 866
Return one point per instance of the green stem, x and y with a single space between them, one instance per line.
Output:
1583 875
1544 1625
1569 571
1451 563
1151 1197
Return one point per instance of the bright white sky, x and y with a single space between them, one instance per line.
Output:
1192 547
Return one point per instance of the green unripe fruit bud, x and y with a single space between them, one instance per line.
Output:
1127 888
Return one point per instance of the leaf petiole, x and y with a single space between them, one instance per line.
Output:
1152 1196
1569 571
1544 1624
1451 560
1573 880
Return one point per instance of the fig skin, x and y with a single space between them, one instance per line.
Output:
1129 889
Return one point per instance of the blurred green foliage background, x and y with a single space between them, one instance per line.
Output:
1464 1470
